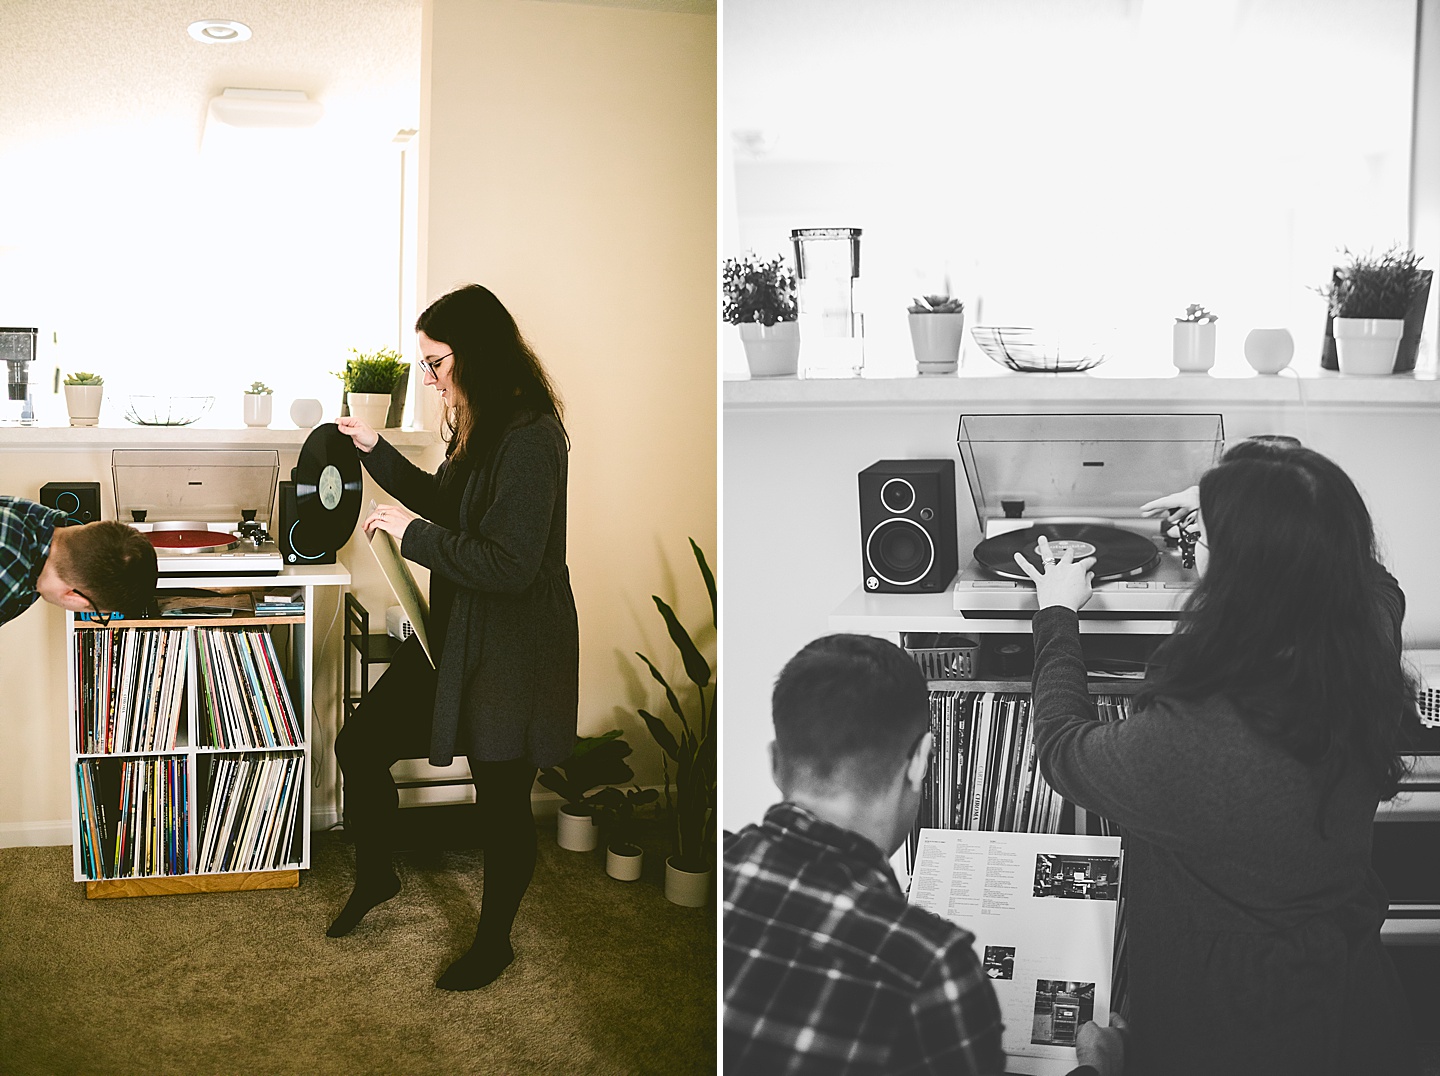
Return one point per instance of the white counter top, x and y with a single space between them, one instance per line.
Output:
127 435
992 386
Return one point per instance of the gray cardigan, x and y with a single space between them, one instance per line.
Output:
509 655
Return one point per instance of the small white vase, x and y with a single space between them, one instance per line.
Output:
1194 346
1269 350
1366 347
771 350
83 403
623 866
574 832
258 408
937 339
306 412
370 408
686 888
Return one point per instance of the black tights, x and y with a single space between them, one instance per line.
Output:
394 723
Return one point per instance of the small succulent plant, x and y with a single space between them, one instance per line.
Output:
83 378
1197 313
936 304
259 388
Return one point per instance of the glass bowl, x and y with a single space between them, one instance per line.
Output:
1027 351
166 410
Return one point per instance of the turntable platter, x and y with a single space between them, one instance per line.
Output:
190 540
1119 554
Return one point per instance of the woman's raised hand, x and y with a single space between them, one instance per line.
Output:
1175 506
363 436
1063 582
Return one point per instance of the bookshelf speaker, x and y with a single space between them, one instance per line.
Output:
295 545
80 501
907 526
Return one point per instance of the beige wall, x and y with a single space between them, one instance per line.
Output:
568 163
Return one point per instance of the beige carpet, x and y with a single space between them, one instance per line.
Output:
609 977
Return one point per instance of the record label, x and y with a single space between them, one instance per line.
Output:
327 489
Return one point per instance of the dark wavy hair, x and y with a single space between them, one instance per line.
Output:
112 565
498 376
1285 622
848 708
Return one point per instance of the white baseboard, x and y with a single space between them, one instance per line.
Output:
544 805
34 834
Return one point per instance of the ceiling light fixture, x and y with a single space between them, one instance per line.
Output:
265 108
219 31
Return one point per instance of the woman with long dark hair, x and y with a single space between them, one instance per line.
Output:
1246 781
490 526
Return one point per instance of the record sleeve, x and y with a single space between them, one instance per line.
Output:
403 584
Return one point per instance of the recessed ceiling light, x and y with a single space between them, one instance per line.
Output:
219 31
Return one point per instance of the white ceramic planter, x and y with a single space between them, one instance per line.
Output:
625 868
83 403
1366 347
1194 346
937 339
573 832
685 887
306 413
370 408
771 350
258 407
1269 350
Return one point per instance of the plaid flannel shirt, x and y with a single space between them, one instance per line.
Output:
25 532
829 970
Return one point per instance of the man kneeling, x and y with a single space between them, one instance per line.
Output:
827 968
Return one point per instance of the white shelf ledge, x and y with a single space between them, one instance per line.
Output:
129 436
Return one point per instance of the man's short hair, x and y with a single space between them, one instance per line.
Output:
111 564
848 708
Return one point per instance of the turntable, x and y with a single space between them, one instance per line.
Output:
206 511
1080 480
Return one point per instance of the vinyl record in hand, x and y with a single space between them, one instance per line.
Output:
1118 554
327 487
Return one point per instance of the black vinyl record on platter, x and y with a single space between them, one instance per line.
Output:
1118 554
327 488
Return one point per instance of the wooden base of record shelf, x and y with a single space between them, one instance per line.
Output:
193 883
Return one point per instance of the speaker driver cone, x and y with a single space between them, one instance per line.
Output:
900 551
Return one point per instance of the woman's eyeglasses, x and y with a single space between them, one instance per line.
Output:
433 364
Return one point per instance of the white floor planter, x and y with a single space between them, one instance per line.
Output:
685 887
1367 346
771 350
370 408
576 832
258 407
625 868
937 339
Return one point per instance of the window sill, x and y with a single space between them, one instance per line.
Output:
27 437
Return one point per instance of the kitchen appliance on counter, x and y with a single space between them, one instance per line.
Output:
832 335
206 511
17 348
1079 480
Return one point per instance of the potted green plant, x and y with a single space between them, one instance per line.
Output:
83 393
1371 300
624 858
370 378
692 811
937 328
257 403
759 297
1194 340
594 761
